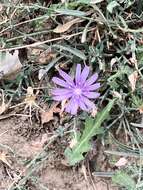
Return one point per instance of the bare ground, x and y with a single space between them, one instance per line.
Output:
17 150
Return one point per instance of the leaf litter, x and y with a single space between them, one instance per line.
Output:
10 65
65 27
133 79
48 115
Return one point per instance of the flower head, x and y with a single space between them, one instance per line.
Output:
78 91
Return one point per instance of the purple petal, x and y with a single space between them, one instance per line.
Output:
82 104
68 106
88 103
60 91
72 106
92 87
78 73
92 79
60 82
84 74
66 77
62 97
91 95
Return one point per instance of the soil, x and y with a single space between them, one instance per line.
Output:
17 150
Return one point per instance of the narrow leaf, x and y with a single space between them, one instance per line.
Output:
74 51
92 128
65 27
90 1
70 12
112 5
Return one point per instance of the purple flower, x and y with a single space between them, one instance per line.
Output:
78 91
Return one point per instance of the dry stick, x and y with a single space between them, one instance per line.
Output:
43 42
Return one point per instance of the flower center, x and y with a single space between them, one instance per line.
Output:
77 91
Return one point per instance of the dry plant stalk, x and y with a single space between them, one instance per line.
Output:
30 101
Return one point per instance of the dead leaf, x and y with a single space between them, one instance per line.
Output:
73 142
29 91
94 112
45 57
34 51
4 106
113 61
41 73
133 61
63 105
10 65
84 172
117 95
29 102
141 109
133 79
30 97
49 114
1 7
64 27
121 162
3 158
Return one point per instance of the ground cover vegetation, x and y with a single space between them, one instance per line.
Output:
71 91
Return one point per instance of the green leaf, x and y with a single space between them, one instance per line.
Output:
90 1
73 51
124 180
92 128
70 12
112 5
